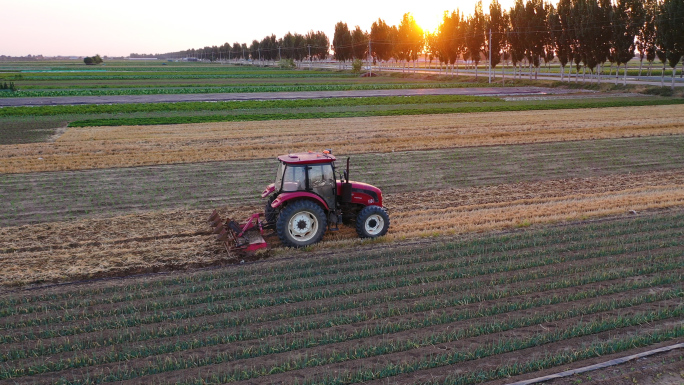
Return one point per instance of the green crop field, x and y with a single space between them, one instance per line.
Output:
407 313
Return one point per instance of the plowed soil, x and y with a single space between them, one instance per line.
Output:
178 239
125 146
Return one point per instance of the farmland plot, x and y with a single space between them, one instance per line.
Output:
180 239
56 196
459 312
124 146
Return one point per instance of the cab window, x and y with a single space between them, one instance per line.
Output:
294 179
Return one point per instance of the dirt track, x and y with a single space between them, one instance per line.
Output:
121 99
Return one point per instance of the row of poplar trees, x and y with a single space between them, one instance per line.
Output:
313 45
585 34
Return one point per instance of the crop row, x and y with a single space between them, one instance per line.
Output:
573 238
578 328
424 301
171 76
256 88
565 104
385 329
363 282
436 312
235 105
596 349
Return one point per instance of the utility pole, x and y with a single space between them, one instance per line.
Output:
259 51
309 46
279 57
490 56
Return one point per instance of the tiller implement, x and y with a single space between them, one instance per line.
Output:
306 200
243 240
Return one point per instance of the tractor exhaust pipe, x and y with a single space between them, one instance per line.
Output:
346 175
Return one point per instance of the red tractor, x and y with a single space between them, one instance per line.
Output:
305 200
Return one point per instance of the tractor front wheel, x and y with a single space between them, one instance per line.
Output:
301 223
372 222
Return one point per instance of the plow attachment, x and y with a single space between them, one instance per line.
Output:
243 239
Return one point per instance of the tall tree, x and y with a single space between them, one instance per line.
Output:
381 41
558 29
359 43
627 20
670 33
411 39
495 32
319 44
475 35
342 42
646 38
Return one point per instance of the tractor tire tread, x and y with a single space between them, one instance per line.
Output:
289 211
365 213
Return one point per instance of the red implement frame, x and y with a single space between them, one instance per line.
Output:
243 239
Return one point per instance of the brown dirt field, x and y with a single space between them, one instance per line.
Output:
168 240
124 146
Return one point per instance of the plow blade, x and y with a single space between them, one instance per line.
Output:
242 239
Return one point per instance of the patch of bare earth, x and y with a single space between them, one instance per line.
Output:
178 239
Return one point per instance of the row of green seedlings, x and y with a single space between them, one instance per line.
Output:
578 327
549 360
429 318
36 77
596 349
431 304
254 296
419 306
574 104
239 105
255 88
486 250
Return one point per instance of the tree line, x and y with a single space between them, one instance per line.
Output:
580 34
292 46
585 34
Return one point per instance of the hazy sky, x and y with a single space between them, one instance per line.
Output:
120 27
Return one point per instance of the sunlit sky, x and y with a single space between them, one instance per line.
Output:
121 27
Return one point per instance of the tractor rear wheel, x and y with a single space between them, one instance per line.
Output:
301 223
372 222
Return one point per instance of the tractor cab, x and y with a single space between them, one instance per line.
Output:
308 172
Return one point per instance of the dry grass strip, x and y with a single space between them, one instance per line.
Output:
124 146
156 241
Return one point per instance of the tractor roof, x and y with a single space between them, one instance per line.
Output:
307 158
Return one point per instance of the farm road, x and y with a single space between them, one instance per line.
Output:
57 196
123 99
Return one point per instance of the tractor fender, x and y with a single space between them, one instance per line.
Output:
269 189
284 197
